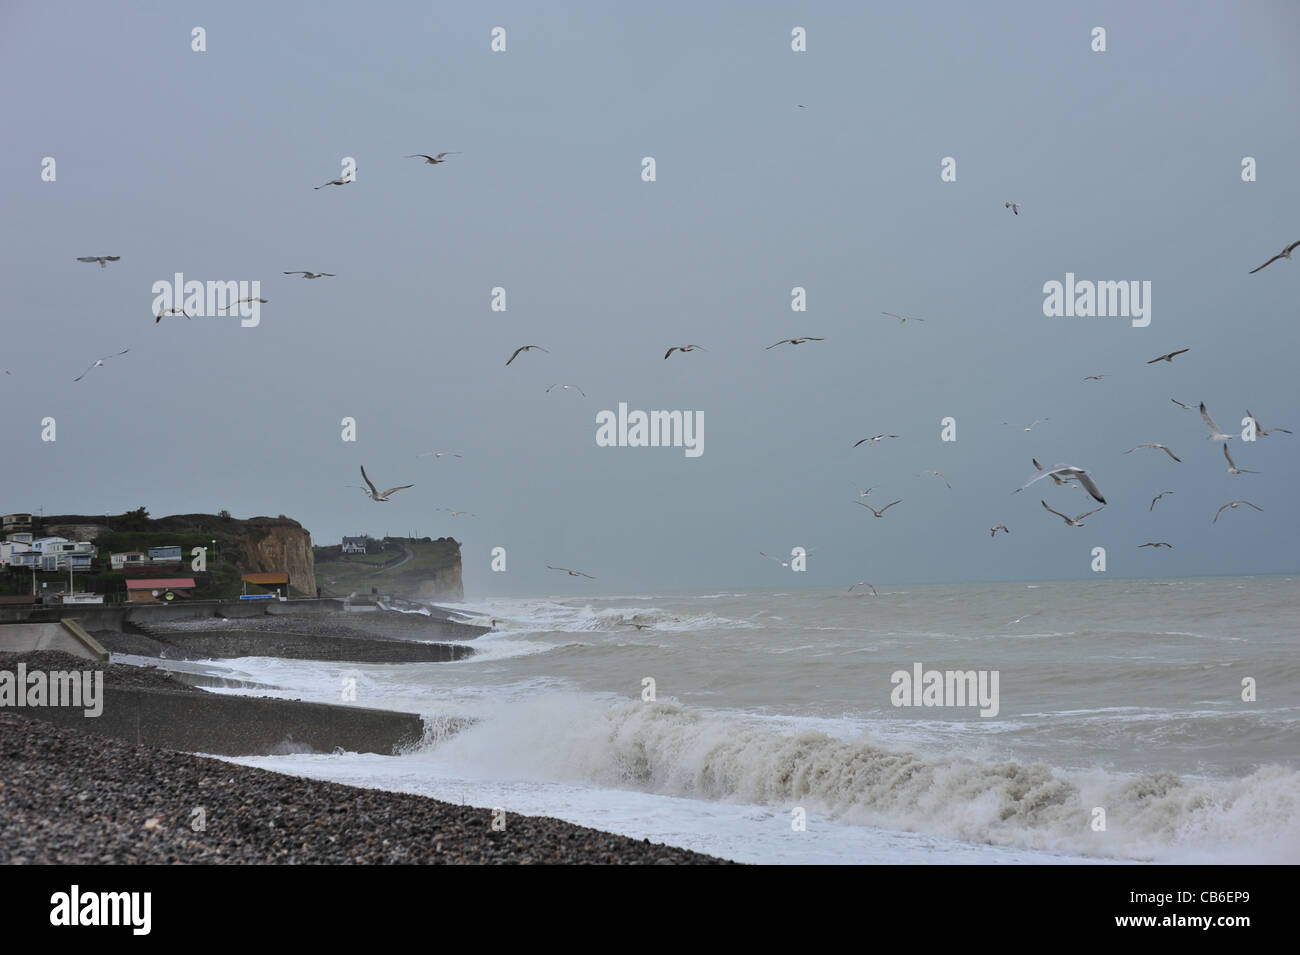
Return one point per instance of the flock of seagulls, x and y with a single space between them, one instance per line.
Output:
1060 475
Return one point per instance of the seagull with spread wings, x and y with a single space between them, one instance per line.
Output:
683 349
162 313
1013 206
1056 478
1158 497
902 318
523 348
565 388
1168 356
1158 447
340 181
993 531
432 160
374 493
1232 465
1215 433
881 512
571 573
876 439
98 362
1156 544
793 341
1233 505
310 275
103 260
1284 254
1072 521
1259 429
863 583
1081 475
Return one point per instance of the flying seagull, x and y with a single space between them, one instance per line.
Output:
794 341
1215 433
1083 477
874 440
1158 497
866 493
1284 254
169 311
571 573
241 301
1233 505
1094 378
936 474
1176 401
1156 544
683 349
1056 478
1072 521
103 260
903 318
432 160
1169 357
458 513
1037 421
1159 447
374 493
879 513
438 454
863 583
97 363
993 531
333 182
783 563
1259 429
564 387
1013 206
1232 465
525 348
310 275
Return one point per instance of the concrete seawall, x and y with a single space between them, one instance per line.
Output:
230 643
237 725
120 617
65 635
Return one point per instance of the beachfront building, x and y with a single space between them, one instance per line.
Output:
78 563
165 554
25 538
10 548
16 522
59 553
125 560
354 545
158 589
277 582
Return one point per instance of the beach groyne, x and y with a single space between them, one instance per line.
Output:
229 725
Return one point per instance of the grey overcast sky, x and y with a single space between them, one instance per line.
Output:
1127 165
